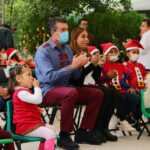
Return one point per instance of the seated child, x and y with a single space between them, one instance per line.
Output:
27 116
14 56
137 70
129 100
6 135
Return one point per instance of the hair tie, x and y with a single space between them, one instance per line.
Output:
11 67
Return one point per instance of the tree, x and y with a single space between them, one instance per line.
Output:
30 16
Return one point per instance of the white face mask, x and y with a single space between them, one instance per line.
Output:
4 56
134 57
113 58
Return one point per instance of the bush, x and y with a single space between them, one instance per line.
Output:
113 26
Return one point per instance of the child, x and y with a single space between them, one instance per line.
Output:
14 56
27 117
128 97
137 70
6 135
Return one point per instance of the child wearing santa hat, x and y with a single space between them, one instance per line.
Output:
129 100
13 56
137 70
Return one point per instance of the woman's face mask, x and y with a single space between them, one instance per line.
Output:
134 57
113 58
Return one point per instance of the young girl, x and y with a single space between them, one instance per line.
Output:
129 100
27 117
137 70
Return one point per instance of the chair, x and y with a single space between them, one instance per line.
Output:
51 115
5 141
11 128
146 113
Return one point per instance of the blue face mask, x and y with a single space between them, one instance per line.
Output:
64 37
84 26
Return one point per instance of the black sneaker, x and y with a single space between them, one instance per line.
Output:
109 136
86 137
66 142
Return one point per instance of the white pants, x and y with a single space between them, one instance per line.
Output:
46 132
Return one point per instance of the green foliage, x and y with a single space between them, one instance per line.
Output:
113 26
105 23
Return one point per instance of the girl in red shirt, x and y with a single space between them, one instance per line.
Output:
27 116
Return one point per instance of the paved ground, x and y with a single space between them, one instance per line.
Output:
124 142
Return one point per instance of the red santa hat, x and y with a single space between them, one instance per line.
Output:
134 44
107 47
10 52
92 49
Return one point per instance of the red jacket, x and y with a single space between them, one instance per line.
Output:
137 75
26 116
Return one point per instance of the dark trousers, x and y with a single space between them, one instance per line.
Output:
68 97
109 103
129 103
6 135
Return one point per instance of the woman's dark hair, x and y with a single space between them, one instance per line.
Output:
73 40
17 70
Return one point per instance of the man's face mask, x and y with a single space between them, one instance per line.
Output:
64 37
134 57
113 58
85 27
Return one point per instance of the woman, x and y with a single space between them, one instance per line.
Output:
79 43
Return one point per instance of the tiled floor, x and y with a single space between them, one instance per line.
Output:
124 142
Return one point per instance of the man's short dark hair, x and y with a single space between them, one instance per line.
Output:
52 22
147 21
83 19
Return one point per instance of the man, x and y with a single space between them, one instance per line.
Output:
55 66
145 41
83 23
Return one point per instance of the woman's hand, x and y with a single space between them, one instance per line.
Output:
79 61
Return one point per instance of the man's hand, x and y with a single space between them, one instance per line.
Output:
112 74
127 42
131 90
4 93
